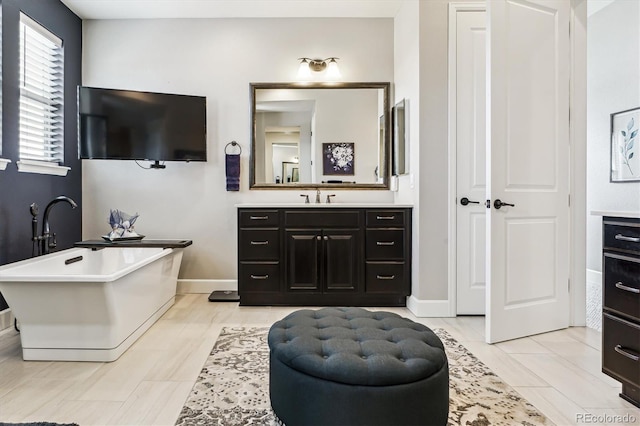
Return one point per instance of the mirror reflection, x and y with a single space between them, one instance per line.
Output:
319 135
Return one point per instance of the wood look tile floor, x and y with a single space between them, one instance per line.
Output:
558 372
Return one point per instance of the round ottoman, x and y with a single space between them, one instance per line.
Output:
351 366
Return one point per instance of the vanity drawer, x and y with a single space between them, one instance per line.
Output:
622 284
622 237
385 244
385 277
321 218
385 218
264 276
621 349
259 244
258 218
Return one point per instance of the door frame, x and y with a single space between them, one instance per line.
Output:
577 166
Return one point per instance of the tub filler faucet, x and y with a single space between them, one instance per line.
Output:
47 239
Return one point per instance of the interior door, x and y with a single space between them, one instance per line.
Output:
528 167
470 161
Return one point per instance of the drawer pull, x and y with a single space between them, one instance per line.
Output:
626 288
258 217
385 217
618 348
385 277
385 243
259 243
625 238
259 277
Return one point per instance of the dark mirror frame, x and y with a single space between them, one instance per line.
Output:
385 118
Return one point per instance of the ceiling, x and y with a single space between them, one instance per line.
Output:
151 9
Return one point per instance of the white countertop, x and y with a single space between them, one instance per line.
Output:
615 213
324 205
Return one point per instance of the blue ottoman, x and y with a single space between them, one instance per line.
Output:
351 366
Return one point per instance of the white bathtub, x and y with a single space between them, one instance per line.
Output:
92 309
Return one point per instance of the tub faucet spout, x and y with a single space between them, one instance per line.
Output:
49 240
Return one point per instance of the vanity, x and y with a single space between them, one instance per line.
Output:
621 302
324 254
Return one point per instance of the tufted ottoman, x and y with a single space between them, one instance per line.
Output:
351 366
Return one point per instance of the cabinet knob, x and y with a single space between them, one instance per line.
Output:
326 238
318 238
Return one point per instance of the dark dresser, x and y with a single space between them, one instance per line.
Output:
320 255
621 303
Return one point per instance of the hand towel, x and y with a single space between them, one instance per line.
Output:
232 168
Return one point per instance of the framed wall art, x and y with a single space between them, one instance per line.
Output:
338 158
625 158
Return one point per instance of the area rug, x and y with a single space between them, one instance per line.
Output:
233 387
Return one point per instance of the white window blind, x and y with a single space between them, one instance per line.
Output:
41 135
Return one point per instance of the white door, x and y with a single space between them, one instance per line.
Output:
528 166
470 162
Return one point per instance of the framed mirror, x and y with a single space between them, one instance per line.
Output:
400 140
318 135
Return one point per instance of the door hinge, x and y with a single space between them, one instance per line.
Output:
569 197
569 285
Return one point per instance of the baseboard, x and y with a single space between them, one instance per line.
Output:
594 299
429 308
6 319
186 286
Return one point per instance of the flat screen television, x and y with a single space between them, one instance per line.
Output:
131 125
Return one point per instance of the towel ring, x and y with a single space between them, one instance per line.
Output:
233 144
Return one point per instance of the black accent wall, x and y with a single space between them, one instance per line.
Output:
18 189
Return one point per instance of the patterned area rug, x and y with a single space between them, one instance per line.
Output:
233 387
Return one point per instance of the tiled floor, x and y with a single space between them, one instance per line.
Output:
558 372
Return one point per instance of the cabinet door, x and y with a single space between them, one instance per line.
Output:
303 259
340 257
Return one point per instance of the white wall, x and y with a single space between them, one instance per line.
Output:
613 84
217 58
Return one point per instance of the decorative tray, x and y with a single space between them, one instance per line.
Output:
136 238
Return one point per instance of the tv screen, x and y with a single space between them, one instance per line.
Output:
131 125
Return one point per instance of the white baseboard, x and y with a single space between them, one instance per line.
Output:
186 286
594 299
429 308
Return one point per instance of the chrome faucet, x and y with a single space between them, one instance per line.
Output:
317 196
46 235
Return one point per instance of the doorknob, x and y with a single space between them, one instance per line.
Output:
464 201
497 204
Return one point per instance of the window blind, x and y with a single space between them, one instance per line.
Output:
41 135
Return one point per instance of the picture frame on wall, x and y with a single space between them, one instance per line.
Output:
338 158
625 155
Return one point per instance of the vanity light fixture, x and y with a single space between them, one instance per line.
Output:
319 65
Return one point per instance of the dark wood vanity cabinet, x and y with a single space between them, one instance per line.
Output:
621 304
324 256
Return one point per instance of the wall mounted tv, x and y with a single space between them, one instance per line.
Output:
131 125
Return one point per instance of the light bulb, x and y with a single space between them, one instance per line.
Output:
333 72
304 73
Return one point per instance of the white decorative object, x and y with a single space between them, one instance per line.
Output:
122 225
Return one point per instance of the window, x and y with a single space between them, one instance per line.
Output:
41 136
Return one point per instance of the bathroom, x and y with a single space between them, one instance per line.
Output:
219 59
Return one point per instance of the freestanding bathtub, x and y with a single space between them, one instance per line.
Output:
89 305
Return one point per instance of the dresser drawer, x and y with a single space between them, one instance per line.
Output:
622 284
306 218
385 277
259 244
621 349
385 218
620 236
385 244
258 218
263 276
